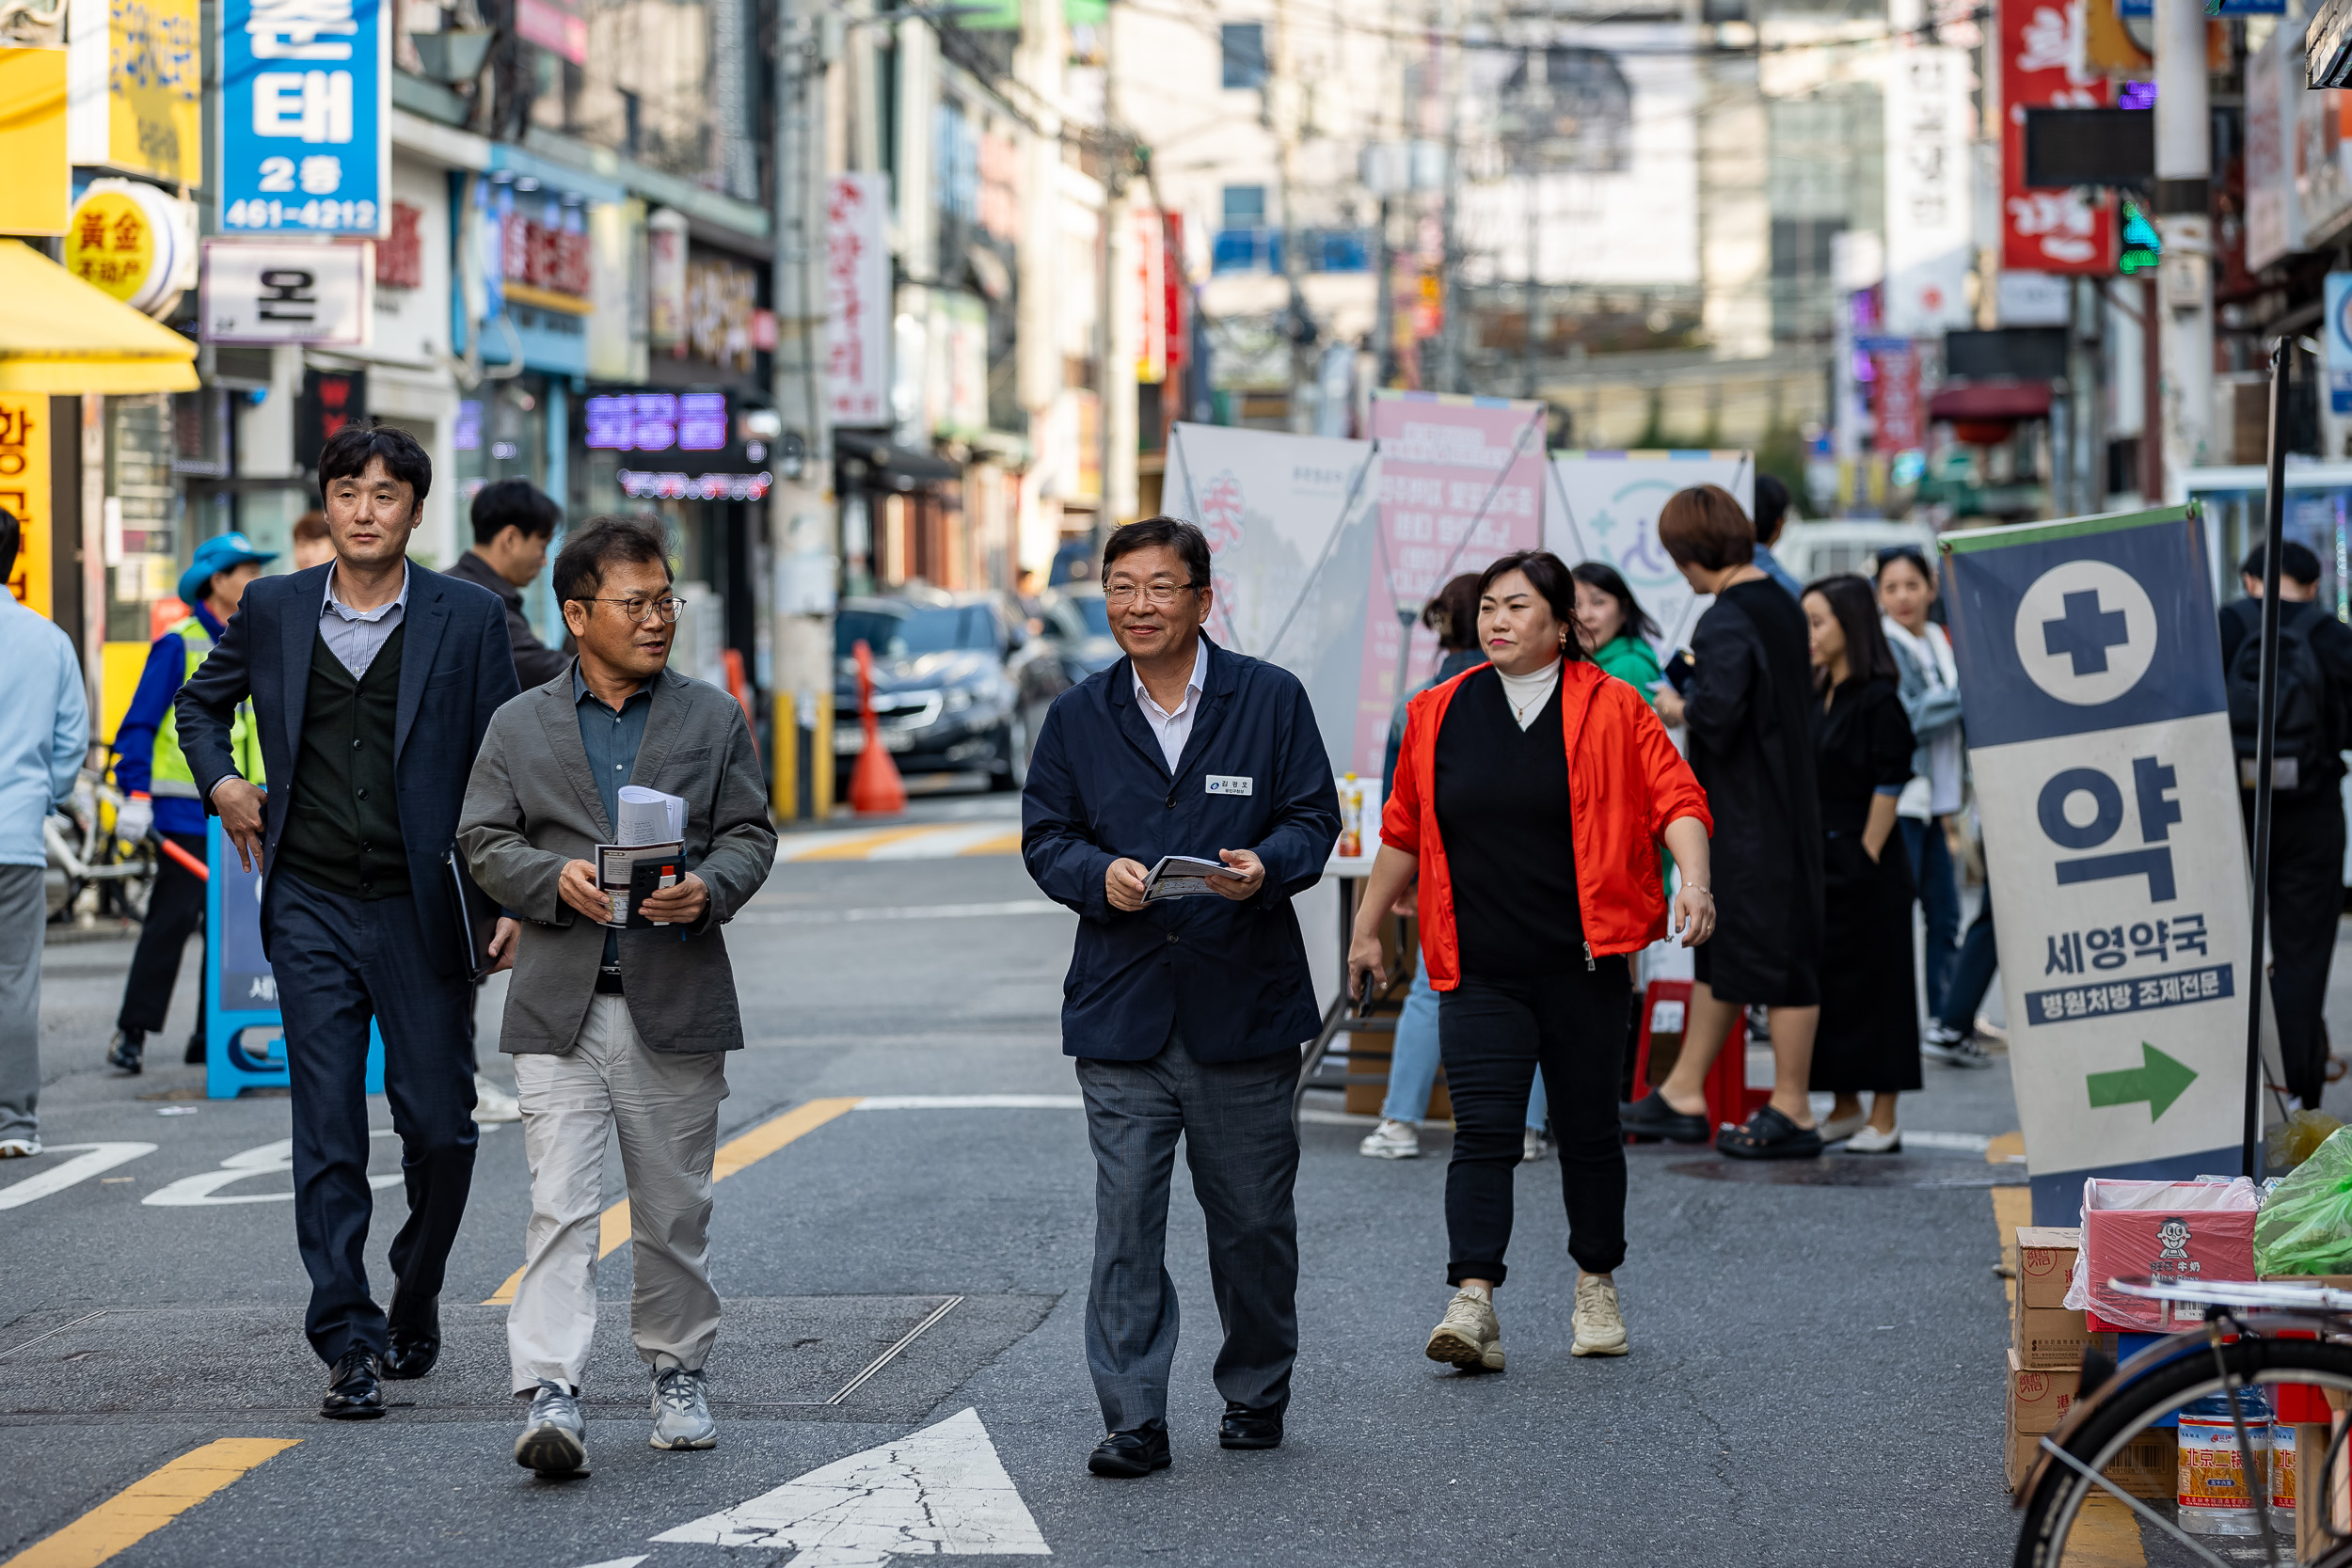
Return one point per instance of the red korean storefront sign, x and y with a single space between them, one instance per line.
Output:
2048 231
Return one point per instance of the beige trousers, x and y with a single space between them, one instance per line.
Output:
665 1107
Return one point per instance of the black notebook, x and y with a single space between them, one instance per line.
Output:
472 911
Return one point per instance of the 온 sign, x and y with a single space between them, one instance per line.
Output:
305 116
2099 735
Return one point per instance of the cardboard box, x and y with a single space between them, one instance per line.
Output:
2148 1467
2039 1400
2184 1240
2052 1339
2045 1263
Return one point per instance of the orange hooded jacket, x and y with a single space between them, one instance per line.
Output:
1626 783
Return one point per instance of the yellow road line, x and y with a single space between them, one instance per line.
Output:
149 1503
738 1152
2106 1533
1003 844
865 844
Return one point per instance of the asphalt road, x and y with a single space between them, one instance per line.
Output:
1815 1375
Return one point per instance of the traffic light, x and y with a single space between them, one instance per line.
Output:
2141 248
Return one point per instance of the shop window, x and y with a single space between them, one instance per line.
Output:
1241 48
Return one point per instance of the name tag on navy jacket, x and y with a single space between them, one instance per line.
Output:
1226 784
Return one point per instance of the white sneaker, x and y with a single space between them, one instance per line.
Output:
1392 1140
492 1103
1599 1326
1838 1129
1536 1146
1872 1141
1469 1336
18 1149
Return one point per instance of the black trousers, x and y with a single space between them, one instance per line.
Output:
342 962
175 908
1492 1034
2306 902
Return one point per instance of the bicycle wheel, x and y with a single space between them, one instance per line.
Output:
2059 1492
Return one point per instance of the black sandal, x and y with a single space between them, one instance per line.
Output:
1769 1135
1651 1116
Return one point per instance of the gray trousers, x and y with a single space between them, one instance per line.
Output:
24 912
1243 1151
665 1107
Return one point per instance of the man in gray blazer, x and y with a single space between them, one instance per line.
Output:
616 1028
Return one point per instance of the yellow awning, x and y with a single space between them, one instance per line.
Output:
59 334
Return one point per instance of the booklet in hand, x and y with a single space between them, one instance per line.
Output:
627 873
1185 877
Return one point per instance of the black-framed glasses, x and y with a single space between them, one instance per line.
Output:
640 610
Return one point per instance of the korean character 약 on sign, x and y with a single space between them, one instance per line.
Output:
2149 940
2106 947
2065 955
2188 933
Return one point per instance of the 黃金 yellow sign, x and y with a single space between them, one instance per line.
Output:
24 493
111 243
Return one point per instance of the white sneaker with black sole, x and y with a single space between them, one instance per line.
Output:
554 1442
1392 1140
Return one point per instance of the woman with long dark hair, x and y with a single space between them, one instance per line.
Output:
1868 1036
1614 628
1531 799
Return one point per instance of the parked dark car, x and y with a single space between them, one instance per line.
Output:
1079 627
959 684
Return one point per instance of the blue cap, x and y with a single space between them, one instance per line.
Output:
217 554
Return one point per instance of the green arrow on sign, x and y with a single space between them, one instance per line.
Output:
2159 1081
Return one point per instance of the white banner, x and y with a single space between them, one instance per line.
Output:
857 298
297 292
2099 736
1930 237
1603 506
1288 520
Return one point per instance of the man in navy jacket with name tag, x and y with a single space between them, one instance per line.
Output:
1186 1015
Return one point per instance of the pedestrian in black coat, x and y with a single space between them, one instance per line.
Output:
1750 708
1868 1037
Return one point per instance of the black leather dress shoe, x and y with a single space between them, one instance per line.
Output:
1128 1454
414 1327
1245 1428
354 1392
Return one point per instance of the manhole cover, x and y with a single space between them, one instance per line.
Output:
1888 1170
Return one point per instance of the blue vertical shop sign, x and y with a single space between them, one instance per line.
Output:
2099 737
2336 346
305 116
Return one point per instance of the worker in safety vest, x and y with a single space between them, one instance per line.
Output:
161 790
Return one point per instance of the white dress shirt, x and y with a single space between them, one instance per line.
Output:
357 636
1175 728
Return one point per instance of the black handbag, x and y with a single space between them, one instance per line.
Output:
473 914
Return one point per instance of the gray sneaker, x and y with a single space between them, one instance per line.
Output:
681 1411
555 1440
1953 1048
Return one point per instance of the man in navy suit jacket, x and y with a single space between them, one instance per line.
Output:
373 682
1185 1015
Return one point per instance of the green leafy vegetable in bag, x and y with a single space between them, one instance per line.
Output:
2305 1226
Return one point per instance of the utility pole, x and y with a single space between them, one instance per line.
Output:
2183 166
803 520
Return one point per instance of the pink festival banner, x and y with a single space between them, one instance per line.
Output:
1461 481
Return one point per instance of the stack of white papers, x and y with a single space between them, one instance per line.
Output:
1185 876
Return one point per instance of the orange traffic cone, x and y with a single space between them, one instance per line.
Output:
875 787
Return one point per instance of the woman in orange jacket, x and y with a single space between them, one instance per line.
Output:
1531 794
